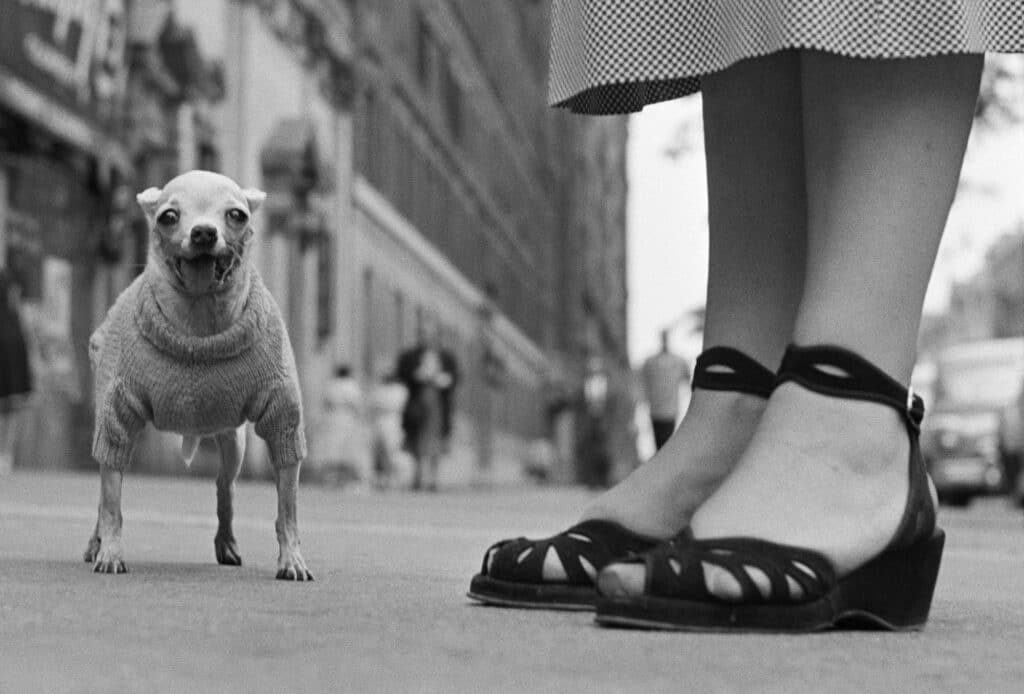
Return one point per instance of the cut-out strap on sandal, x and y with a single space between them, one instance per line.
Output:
838 372
725 368
515 573
788 574
582 551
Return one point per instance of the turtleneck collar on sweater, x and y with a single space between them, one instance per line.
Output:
163 335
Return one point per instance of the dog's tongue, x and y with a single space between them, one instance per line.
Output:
199 273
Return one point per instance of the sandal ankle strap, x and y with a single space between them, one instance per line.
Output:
835 371
725 368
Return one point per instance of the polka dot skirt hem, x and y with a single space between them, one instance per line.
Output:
616 56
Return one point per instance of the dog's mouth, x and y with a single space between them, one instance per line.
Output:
205 272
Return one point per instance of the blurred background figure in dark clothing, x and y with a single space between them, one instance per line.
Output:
663 374
429 374
15 372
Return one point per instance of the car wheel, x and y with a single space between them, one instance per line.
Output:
955 500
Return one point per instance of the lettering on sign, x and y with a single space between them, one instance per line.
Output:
84 51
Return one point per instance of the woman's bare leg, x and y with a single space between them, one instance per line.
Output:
884 142
757 216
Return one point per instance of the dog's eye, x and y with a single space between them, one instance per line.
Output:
237 216
168 218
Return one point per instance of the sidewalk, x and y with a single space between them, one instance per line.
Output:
387 612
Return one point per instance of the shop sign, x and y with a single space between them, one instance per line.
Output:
70 50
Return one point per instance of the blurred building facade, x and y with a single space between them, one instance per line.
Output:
416 179
63 76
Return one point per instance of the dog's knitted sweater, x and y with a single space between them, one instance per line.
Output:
147 370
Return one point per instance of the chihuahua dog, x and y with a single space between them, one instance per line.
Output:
196 345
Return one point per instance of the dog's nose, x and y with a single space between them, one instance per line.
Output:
204 235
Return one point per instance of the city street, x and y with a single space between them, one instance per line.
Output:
387 232
388 611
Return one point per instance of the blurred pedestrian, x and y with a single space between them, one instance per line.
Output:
15 371
430 375
663 375
392 466
593 454
346 443
834 135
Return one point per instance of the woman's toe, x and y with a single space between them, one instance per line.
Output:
622 580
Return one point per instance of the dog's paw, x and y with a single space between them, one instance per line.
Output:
108 560
226 550
91 550
292 567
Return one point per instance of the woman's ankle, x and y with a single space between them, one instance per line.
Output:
660 496
864 436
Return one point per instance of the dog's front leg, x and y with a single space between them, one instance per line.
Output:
93 548
290 564
104 550
232 450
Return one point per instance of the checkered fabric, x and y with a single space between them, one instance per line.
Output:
616 56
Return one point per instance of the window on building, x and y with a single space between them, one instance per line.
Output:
426 51
368 144
452 102
399 319
448 337
368 322
325 290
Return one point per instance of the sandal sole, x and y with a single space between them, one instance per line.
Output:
892 592
538 596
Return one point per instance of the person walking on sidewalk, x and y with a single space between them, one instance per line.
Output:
430 375
793 495
663 374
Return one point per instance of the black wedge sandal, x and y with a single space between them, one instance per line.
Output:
512 574
892 591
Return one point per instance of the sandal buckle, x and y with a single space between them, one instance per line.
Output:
915 408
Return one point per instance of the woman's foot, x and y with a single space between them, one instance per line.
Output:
820 473
652 504
659 497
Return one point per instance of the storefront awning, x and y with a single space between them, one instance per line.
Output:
46 113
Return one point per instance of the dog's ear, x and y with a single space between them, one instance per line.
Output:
254 198
148 201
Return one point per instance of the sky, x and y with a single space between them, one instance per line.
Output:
667 220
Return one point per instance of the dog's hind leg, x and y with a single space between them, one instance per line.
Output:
104 550
232 450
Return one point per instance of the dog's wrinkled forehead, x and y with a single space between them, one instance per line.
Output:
199 194
206 200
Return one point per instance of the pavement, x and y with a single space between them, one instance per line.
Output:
388 612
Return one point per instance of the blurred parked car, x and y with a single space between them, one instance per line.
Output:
973 428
